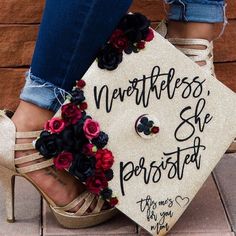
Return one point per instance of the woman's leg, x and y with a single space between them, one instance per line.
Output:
70 35
195 19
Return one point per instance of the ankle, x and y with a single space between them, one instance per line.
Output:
29 117
178 29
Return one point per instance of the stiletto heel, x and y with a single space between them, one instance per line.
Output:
9 169
7 180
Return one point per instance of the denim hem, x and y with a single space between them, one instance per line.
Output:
42 93
197 12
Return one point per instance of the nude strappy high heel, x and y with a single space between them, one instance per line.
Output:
9 169
204 55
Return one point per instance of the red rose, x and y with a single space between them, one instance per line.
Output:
80 83
55 125
113 201
91 128
71 113
141 45
96 183
104 159
118 39
150 36
89 149
63 160
83 106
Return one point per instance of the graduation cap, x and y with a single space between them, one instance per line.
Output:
169 123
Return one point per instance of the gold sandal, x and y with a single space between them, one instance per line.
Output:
8 171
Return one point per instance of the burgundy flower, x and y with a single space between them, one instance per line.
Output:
97 183
80 83
91 128
89 149
113 201
83 106
71 113
155 130
55 125
104 159
118 39
141 45
63 160
150 35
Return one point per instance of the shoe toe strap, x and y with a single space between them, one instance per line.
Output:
74 203
100 204
88 201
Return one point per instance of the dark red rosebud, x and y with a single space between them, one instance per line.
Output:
150 35
119 40
96 183
113 201
71 113
80 83
155 130
89 149
141 45
83 106
63 160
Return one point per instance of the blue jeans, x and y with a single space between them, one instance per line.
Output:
208 11
71 33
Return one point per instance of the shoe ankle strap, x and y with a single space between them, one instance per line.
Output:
34 167
194 54
28 134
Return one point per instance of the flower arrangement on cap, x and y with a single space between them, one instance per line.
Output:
131 35
76 143
74 140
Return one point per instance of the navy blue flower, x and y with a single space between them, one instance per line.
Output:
83 167
77 96
101 140
106 193
145 126
47 144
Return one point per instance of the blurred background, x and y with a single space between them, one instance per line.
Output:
19 24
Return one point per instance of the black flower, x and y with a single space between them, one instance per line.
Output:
67 139
145 126
82 167
47 144
77 96
106 193
135 27
109 57
109 174
72 138
131 48
101 140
